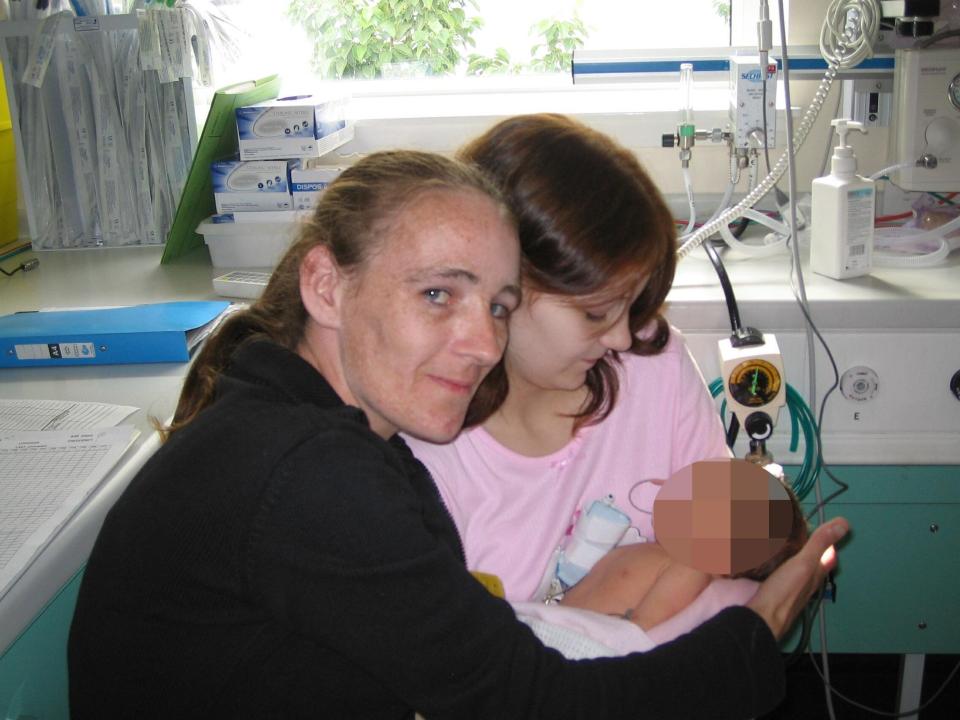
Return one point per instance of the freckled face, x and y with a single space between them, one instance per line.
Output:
555 339
425 319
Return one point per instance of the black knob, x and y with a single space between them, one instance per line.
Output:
668 140
759 426
955 384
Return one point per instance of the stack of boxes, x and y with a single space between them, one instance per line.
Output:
277 177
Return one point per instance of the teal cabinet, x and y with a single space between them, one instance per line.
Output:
33 671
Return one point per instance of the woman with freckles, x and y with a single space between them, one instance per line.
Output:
283 554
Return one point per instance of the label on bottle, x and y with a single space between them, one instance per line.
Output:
859 229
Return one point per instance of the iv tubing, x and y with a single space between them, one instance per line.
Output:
754 250
766 220
802 422
937 233
775 174
688 184
886 259
893 168
883 259
837 58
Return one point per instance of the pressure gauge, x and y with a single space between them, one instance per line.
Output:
953 91
754 383
754 378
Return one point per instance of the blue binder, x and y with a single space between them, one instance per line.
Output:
153 333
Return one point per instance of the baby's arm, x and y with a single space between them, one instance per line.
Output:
639 582
676 587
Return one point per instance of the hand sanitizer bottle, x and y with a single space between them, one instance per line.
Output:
841 234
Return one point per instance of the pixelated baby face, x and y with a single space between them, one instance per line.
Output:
722 516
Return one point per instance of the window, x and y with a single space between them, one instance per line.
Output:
407 42
414 99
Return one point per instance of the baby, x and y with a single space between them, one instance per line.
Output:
646 585
720 524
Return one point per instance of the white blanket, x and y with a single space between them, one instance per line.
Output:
580 634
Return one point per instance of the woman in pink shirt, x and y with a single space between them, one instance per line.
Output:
597 397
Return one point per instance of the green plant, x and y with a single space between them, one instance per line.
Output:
723 10
499 63
360 38
559 38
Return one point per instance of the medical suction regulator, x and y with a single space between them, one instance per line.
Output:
843 202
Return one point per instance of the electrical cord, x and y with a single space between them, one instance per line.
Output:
937 37
886 713
25 266
849 30
732 310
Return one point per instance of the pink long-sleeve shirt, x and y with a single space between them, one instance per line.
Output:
514 511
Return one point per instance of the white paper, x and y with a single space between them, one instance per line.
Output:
60 415
45 477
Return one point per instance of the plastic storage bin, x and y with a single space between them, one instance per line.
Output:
247 245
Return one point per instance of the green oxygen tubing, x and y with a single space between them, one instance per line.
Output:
801 419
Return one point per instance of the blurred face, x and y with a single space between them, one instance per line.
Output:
556 339
722 516
426 317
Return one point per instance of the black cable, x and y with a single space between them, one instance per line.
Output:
25 266
823 404
885 713
733 431
740 227
732 309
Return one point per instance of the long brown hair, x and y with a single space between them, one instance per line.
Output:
349 220
589 218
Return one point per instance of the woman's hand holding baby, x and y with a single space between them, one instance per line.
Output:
782 596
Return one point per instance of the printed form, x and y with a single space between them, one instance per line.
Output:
47 475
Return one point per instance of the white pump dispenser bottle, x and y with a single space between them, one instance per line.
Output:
843 204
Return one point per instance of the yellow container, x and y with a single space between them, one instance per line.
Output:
8 170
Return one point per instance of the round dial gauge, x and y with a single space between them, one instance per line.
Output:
953 91
754 383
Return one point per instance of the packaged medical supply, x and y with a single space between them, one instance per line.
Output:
595 533
308 183
254 185
299 126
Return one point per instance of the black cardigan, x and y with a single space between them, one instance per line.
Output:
276 558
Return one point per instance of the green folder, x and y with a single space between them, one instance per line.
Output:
218 140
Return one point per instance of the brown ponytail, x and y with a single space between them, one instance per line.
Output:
360 202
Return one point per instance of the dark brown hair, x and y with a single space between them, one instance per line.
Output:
590 218
349 219
799 532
